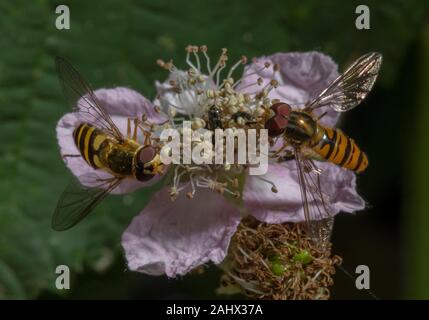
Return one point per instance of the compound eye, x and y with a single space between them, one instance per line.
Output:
281 109
276 125
147 154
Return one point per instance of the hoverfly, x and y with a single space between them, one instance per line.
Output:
103 147
305 139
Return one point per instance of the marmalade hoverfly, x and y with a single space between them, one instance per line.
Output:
305 139
103 147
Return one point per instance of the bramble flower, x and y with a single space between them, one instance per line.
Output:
172 238
193 218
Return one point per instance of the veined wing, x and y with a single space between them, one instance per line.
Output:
352 86
316 204
83 100
77 201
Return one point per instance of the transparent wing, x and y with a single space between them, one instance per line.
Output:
316 204
77 201
82 99
351 87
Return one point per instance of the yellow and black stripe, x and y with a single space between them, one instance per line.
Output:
338 148
89 140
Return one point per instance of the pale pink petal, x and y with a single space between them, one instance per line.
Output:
302 77
126 102
175 237
286 205
121 103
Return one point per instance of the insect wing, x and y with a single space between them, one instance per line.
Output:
352 86
317 206
77 201
83 100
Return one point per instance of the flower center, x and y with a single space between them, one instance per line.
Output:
212 101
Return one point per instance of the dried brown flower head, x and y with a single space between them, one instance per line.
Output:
277 261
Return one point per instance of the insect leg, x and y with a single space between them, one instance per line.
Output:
136 123
275 154
322 115
128 128
147 134
147 140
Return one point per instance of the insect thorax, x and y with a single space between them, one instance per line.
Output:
302 128
120 157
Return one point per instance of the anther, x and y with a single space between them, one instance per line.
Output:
190 195
165 65
189 48
192 72
160 62
172 111
274 83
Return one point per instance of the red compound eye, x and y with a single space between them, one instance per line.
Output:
147 153
143 171
281 109
278 123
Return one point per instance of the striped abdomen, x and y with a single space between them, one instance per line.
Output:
89 140
338 148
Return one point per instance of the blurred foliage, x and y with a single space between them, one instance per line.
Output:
416 213
117 43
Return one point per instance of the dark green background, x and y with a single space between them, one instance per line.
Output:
117 43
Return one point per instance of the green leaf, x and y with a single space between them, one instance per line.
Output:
416 205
